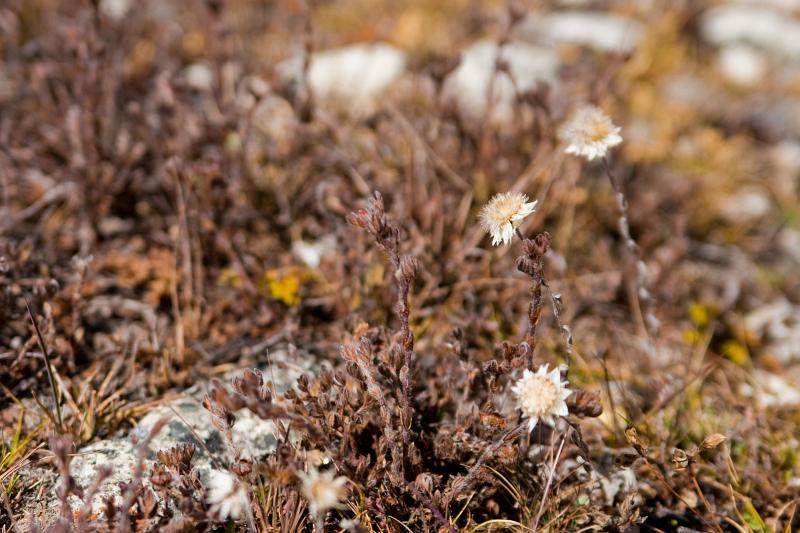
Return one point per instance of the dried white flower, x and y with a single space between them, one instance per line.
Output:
227 496
590 133
322 490
503 214
541 395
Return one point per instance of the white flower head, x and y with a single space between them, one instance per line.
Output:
322 490
227 495
590 133
540 396
504 212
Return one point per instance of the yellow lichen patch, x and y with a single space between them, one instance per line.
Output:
701 314
284 284
691 336
230 277
735 351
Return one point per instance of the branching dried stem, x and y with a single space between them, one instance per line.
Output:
374 220
532 264
131 490
549 483
488 453
361 355
437 514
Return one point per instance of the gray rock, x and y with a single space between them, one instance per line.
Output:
603 31
742 64
352 77
759 25
186 422
470 84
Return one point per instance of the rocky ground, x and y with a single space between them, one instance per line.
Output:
175 182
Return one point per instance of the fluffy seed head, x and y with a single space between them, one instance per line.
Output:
227 496
322 490
541 395
503 214
590 133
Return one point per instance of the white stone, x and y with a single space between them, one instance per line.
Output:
758 25
275 123
789 241
772 390
470 83
778 323
786 5
747 204
311 253
353 76
610 33
742 64
786 156
199 76
115 9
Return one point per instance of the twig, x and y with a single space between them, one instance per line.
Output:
373 219
642 297
47 365
549 482
531 262
485 456
130 493
437 514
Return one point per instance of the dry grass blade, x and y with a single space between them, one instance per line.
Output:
48 368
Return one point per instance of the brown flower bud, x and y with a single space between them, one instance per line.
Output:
424 483
526 265
712 441
529 247
407 269
585 403
160 476
680 459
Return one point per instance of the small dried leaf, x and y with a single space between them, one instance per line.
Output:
585 403
632 436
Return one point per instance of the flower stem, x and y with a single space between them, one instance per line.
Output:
642 299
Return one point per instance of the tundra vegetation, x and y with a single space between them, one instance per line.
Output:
542 262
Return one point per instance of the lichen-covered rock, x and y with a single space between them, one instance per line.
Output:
187 422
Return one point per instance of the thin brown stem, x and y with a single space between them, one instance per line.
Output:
485 456
532 264
48 367
641 299
549 483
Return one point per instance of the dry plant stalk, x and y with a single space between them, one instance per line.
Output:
373 219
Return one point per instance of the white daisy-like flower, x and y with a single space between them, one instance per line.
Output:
541 395
227 496
322 490
504 212
590 133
